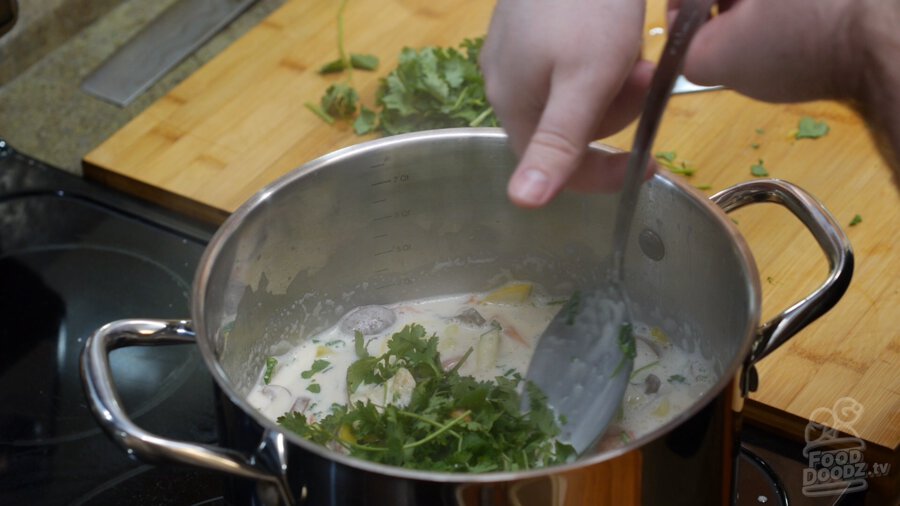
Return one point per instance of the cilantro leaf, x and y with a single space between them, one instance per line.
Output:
676 378
360 344
857 219
364 61
314 388
271 362
361 371
627 344
668 156
317 367
808 128
333 66
295 422
759 170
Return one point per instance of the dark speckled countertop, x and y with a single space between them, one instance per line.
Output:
44 113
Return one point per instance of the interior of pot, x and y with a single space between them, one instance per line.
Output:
426 214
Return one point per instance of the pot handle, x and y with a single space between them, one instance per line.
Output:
106 405
828 234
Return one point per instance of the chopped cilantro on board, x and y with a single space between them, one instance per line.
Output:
434 87
668 160
452 423
809 128
857 219
759 170
340 101
431 87
357 61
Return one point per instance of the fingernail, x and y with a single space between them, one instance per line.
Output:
530 187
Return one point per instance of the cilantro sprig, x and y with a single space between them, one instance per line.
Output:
452 423
434 87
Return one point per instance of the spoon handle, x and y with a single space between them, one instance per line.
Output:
691 15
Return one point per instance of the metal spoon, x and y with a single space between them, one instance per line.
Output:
584 358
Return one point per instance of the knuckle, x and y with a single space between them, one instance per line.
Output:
558 143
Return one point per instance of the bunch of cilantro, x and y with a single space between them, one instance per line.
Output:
452 423
432 87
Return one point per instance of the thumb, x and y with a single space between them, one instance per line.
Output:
772 51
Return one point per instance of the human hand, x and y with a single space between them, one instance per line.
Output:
777 51
796 50
559 75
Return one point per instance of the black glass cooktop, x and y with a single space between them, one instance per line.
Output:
74 256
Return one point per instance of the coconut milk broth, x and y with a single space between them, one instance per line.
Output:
666 378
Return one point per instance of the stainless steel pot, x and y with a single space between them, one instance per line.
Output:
426 214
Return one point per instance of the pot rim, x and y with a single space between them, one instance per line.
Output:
233 222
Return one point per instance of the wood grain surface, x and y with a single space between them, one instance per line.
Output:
239 123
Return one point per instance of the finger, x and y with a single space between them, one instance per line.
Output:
518 112
563 160
748 48
629 102
560 138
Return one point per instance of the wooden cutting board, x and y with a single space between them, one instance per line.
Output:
239 123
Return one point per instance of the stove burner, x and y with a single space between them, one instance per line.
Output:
61 295
150 485
73 257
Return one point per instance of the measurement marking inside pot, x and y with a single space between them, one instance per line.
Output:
386 181
383 269
380 201
380 236
385 252
383 217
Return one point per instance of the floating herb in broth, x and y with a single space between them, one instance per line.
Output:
435 384
449 423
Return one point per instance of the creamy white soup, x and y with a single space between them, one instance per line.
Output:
501 328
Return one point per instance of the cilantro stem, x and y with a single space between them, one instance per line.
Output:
422 418
651 364
460 363
442 428
324 116
438 432
481 117
459 100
